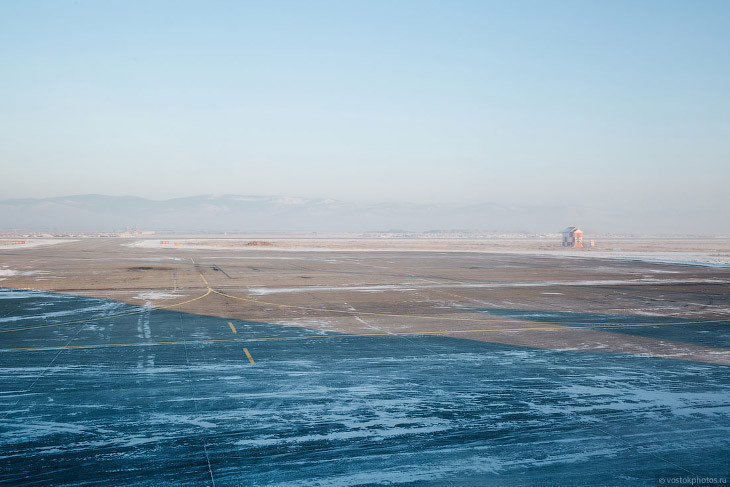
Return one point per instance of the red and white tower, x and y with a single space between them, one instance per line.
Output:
572 237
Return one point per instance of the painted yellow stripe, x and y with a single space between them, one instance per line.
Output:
248 354
204 280
557 325
106 345
343 335
192 260
363 313
446 318
233 328
438 332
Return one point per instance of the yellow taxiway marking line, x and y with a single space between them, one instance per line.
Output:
444 332
233 328
155 308
342 335
248 354
107 345
447 318
560 325
192 260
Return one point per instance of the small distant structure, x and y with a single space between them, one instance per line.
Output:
573 237
19 242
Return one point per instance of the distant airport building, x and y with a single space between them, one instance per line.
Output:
572 237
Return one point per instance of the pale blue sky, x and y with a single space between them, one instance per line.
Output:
611 102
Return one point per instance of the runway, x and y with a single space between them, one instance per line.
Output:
186 404
131 367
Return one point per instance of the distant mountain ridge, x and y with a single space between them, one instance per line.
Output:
241 213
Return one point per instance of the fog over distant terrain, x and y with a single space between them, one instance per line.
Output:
233 213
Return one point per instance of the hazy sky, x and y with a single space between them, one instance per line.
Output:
603 103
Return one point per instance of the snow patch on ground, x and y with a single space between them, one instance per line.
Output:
681 258
105 308
154 295
7 293
260 291
5 272
715 258
317 326
704 259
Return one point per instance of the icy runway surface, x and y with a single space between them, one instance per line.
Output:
93 403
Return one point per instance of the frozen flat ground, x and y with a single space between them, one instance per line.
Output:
358 368
81 408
